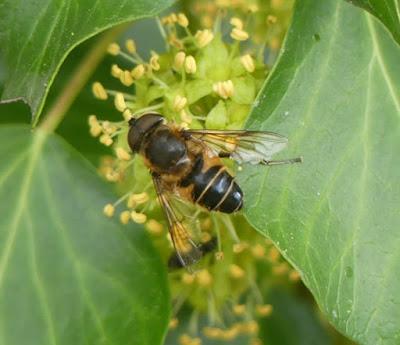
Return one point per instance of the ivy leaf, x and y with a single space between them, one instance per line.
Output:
335 94
68 274
388 12
36 37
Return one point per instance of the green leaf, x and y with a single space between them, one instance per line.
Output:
292 322
335 94
388 12
36 36
68 274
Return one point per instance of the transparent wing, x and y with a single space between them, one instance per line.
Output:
254 147
186 250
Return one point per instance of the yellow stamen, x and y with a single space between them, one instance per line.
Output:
271 19
239 309
248 63
109 210
126 78
219 256
187 278
113 49
125 217
236 272
154 227
154 62
185 117
224 89
190 65
179 103
137 217
98 91
294 276
239 35
116 71
182 20
237 23
106 140
138 71
140 198
264 309
173 323
204 278
203 37
179 60
122 154
119 102
130 46
258 251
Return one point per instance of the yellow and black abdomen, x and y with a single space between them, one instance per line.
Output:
214 188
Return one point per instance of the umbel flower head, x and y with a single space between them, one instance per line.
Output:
207 78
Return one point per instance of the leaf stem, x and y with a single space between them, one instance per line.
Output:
78 80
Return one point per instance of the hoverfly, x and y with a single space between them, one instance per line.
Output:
187 164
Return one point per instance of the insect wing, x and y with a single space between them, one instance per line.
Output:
252 147
187 251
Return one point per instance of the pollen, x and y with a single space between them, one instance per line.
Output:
224 89
130 46
109 210
116 71
113 49
137 217
204 278
154 62
138 71
179 60
236 272
98 91
95 128
237 23
248 63
125 217
126 78
154 227
203 37
119 102
239 35
182 20
179 103
264 309
190 65
105 139
122 154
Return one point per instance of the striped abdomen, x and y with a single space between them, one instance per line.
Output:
215 188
